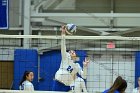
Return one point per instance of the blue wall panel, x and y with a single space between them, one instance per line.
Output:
4 14
25 59
49 63
137 67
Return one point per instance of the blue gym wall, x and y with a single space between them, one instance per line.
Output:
25 59
137 67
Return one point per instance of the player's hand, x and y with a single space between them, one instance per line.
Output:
63 29
86 62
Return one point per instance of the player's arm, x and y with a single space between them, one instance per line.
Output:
83 72
134 90
82 83
63 44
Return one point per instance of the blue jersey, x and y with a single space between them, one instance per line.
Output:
106 91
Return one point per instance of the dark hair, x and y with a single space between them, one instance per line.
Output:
123 86
26 73
116 84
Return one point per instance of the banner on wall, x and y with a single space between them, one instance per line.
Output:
4 14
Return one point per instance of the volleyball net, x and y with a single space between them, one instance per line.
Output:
111 56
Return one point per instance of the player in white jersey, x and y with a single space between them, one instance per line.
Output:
68 70
25 83
78 86
137 89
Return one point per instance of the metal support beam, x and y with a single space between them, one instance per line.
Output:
20 11
27 26
86 15
112 6
56 29
35 28
112 18
124 32
53 4
47 3
108 29
38 5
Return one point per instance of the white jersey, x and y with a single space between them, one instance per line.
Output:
78 86
136 90
26 85
68 69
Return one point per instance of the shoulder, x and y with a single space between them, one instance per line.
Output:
135 90
105 91
27 83
68 55
77 64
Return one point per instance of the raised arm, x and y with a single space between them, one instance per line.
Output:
63 44
83 72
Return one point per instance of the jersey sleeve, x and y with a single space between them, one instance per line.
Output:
82 72
29 87
134 90
105 91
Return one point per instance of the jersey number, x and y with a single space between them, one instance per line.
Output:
70 69
22 87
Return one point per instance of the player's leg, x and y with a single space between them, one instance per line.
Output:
58 86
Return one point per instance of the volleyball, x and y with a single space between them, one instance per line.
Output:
71 28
